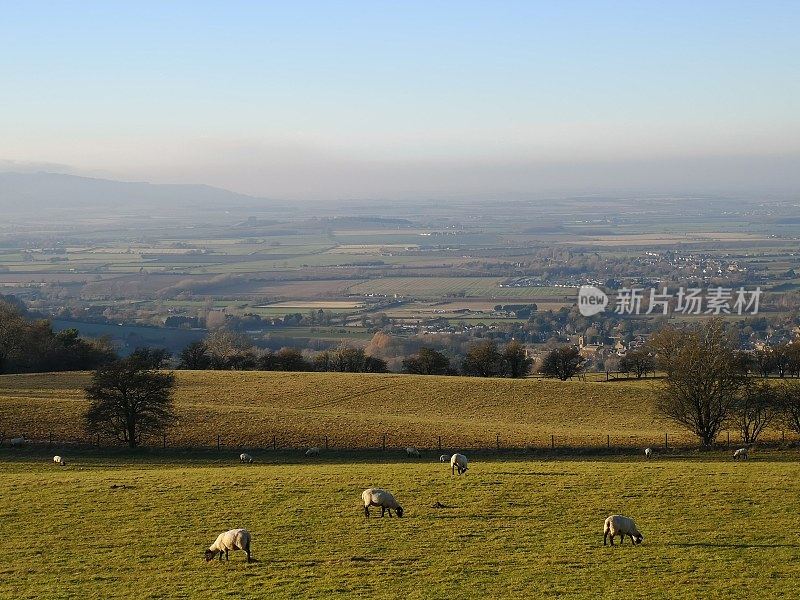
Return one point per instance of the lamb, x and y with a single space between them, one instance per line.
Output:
312 452
444 458
458 461
59 460
621 526
235 539
244 457
648 452
412 452
740 454
382 498
18 441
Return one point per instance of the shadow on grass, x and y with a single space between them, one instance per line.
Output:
734 545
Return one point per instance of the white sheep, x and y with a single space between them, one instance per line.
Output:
412 452
621 526
458 461
444 458
245 458
235 539
740 454
18 441
312 452
648 452
59 460
382 498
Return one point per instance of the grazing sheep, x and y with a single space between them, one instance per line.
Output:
458 461
740 454
245 458
412 452
621 526
444 458
312 452
648 452
18 441
382 498
235 539
59 460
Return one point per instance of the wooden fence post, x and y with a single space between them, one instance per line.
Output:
440 443
552 441
326 442
218 442
498 441
164 441
608 441
274 443
383 445
666 441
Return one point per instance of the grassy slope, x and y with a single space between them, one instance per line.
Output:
248 408
511 529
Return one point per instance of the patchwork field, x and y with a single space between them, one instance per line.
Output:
296 410
120 526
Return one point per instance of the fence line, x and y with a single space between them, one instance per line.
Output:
392 442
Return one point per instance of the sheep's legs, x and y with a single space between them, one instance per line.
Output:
389 510
383 511
226 554
366 511
621 539
605 538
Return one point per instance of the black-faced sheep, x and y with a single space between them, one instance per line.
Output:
312 452
648 452
444 458
59 460
458 461
245 458
621 526
382 498
740 454
235 539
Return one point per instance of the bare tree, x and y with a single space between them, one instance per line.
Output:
703 380
754 408
562 363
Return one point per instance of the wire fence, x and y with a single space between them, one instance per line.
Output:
281 441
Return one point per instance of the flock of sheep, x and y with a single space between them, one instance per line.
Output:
239 539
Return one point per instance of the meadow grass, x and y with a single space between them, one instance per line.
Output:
248 408
120 525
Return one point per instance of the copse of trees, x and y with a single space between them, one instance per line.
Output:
639 362
562 363
427 362
30 345
485 359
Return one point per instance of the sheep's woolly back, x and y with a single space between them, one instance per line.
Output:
312 451
379 497
412 451
621 525
59 460
458 461
245 458
235 539
740 453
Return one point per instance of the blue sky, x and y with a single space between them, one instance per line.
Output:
403 96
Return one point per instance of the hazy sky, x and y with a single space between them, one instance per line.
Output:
389 99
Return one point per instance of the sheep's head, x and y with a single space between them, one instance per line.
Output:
399 511
637 539
210 554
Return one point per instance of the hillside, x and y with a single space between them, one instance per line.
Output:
248 408
30 193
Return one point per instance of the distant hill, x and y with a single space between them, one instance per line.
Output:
26 193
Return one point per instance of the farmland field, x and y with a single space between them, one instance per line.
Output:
117 525
441 287
251 409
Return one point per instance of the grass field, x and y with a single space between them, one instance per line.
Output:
355 410
119 525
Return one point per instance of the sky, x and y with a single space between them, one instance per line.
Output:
387 99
